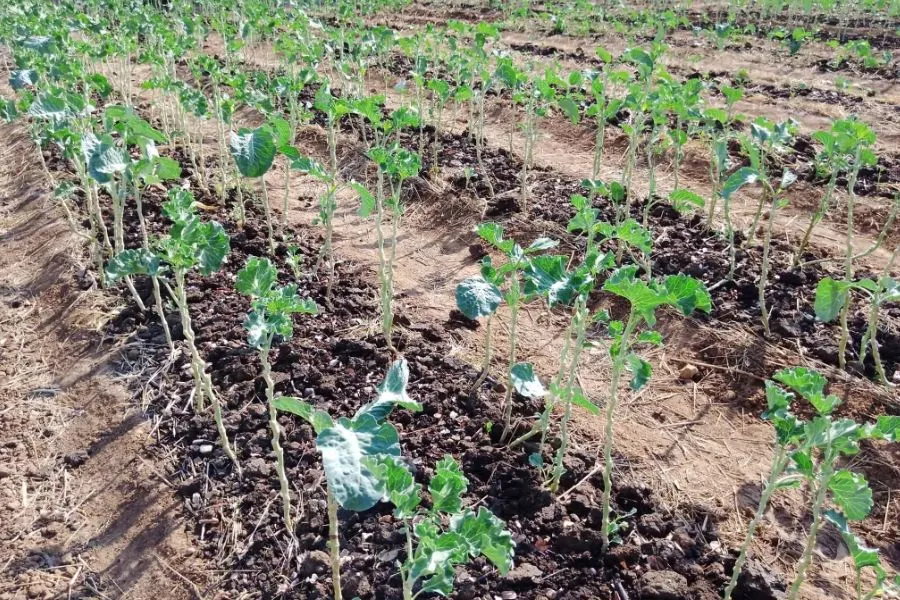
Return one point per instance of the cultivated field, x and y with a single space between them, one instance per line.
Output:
387 299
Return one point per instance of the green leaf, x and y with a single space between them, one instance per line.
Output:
811 385
570 108
253 151
738 179
257 278
886 427
851 492
391 393
485 534
399 486
180 207
862 555
345 448
492 233
281 131
211 245
644 300
22 78
641 371
579 399
106 160
132 262
447 486
831 296
525 381
319 419
366 200
258 329
476 298
688 294
683 199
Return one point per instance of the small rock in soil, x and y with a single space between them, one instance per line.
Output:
525 572
662 585
316 562
688 372
757 583
76 459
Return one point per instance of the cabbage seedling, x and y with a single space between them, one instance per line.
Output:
270 316
764 139
445 535
254 151
864 557
348 446
832 298
478 298
191 244
509 279
684 293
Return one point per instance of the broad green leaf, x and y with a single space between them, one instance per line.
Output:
525 381
831 296
391 393
640 370
253 151
492 233
682 199
447 486
106 161
688 294
345 448
485 534
851 492
258 329
644 300
257 278
319 419
132 262
366 199
862 555
738 179
811 385
399 486
579 399
886 427
477 298
180 207
211 244
22 78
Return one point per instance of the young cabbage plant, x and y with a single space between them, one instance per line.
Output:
253 152
478 298
832 298
765 138
509 280
190 245
681 292
836 157
789 436
397 165
825 443
348 448
271 307
440 538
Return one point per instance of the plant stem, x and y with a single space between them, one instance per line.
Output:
618 368
387 293
334 545
268 212
817 216
764 269
486 365
819 501
276 436
778 465
514 318
405 572
848 261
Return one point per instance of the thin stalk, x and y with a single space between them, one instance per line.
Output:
751 232
778 465
848 261
764 269
404 573
818 503
824 203
618 368
486 364
579 321
268 212
387 317
275 427
154 279
513 346
334 545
